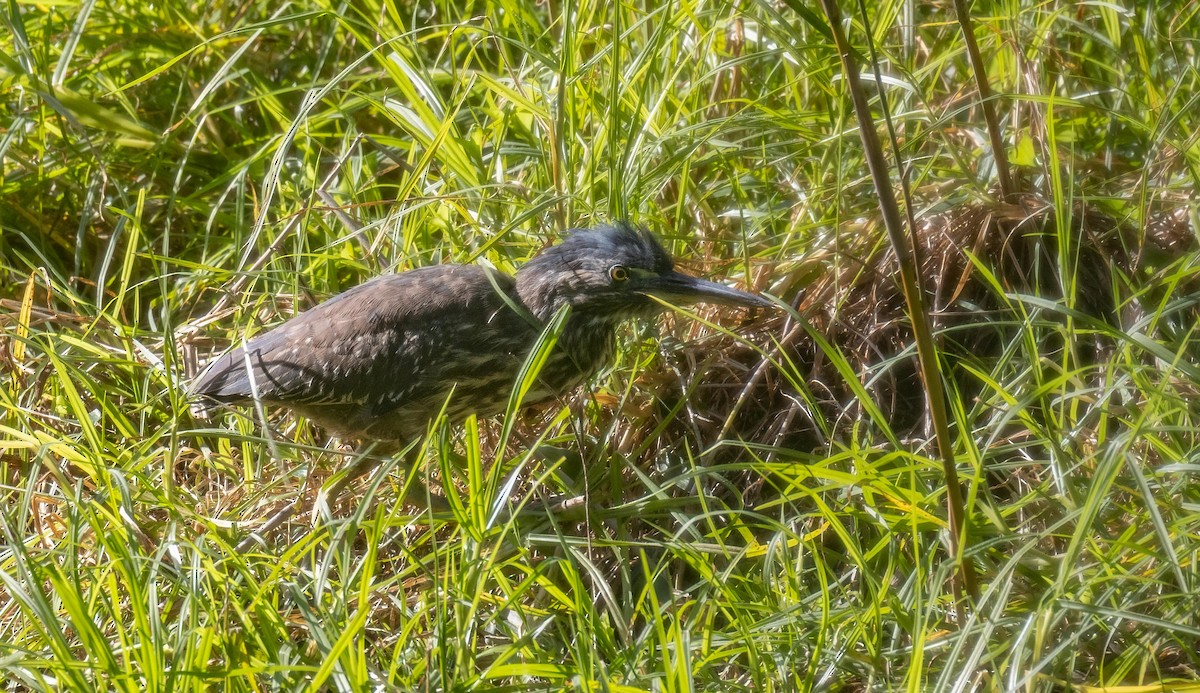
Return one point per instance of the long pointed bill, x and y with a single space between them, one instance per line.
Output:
679 288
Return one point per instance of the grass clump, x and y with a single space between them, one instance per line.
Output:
766 510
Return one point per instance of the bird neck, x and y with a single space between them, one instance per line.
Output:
586 344
588 338
542 296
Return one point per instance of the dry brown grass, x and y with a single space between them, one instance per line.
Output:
974 259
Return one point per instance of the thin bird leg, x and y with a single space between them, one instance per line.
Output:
416 492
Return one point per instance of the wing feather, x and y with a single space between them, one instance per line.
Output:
389 340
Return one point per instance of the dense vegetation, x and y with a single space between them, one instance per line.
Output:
766 508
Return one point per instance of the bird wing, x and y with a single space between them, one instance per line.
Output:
392 339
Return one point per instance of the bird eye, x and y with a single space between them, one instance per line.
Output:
618 273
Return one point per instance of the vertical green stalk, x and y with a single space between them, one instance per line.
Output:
915 299
560 161
986 101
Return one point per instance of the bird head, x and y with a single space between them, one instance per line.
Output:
615 272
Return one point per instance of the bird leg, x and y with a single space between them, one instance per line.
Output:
568 462
416 492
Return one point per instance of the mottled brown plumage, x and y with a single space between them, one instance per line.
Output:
380 360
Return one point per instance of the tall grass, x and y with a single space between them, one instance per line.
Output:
179 176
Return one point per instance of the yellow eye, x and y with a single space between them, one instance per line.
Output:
618 273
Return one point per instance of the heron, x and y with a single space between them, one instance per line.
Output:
381 360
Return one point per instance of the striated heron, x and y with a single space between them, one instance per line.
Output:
382 359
